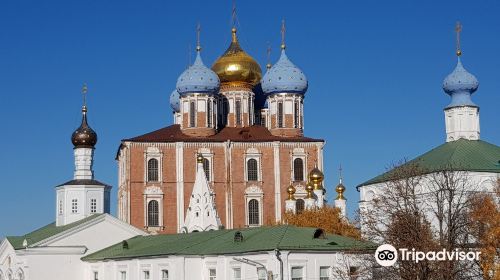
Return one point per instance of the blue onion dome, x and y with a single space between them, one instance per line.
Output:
460 85
198 79
84 136
284 76
174 101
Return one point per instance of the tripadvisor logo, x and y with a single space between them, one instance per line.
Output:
387 255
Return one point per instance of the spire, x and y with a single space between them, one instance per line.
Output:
84 136
268 65
340 187
283 31
458 30
198 31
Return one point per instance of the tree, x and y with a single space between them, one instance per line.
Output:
327 218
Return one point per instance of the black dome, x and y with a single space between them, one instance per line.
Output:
84 136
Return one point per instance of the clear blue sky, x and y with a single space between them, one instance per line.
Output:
375 70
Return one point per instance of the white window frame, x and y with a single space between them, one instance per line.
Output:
254 192
153 153
209 155
74 206
93 205
327 276
146 272
258 273
299 153
253 153
122 273
212 277
61 208
161 274
153 193
291 272
235 269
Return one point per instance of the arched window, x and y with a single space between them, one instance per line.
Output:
153 170
153 213
298 169
238 112
280 114
206 168
192 114
252 172
299 205
253 212
209 114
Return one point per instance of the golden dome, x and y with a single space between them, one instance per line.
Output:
199 158
309 189
291 191
316 177
236 67
340 191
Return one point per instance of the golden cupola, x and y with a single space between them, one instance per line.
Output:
236 68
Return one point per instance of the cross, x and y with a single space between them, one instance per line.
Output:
458 29
84 94
340 172
198 30
268 53
233 15
283 30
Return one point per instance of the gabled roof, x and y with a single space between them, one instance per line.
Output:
220 242
46 232
255 133
459 155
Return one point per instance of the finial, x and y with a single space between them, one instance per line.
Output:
340 174
233 16
84 95
198 30
268 65
309 189
283 30
291 192
458 30
199 158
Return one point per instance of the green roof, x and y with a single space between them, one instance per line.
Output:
459 155
223 242
45 232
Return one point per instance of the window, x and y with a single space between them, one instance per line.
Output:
212 274
296 115
298 169
280 114
74 206
324 273
206 168
252 170
153 213
153 170
192 114
261 273
123 275
225 109
60 211
145 275
253 212
297 273
237 273
93 205
263 120
209 114
164 274
96 275
238 112
299 205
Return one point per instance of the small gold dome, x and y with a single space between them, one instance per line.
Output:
316 177
309 189
291 191
340 191
199 158
236 67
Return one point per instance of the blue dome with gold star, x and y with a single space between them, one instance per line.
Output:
284 76
198 79
460 85
174 101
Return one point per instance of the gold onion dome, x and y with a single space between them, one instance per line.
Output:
309 189
340 190
291 191
199 158
316 177
236 67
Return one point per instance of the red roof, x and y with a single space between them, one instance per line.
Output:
254 133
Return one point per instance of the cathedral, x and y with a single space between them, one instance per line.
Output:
245 128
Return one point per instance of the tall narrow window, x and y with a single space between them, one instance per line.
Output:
253 212
212 274
263 120
237 273
146 275
299 205
261 274
296 115
96 275
209 114
324 273
250 113
153 213
238 112
93 205
206 168
74 206
280 114
60 212
153 170
297 273
123 275
164 274
252 171
298 169
192 114
225 110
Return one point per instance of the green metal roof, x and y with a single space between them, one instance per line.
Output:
45 232
460 155
222 242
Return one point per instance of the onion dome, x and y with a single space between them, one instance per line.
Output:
236 67
316 177
340 190
460 85
199 158
84 136
291 191
284 76
198 78
174 101
309 189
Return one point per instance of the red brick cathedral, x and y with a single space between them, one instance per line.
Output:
248 128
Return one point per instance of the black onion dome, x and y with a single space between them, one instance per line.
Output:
84 136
